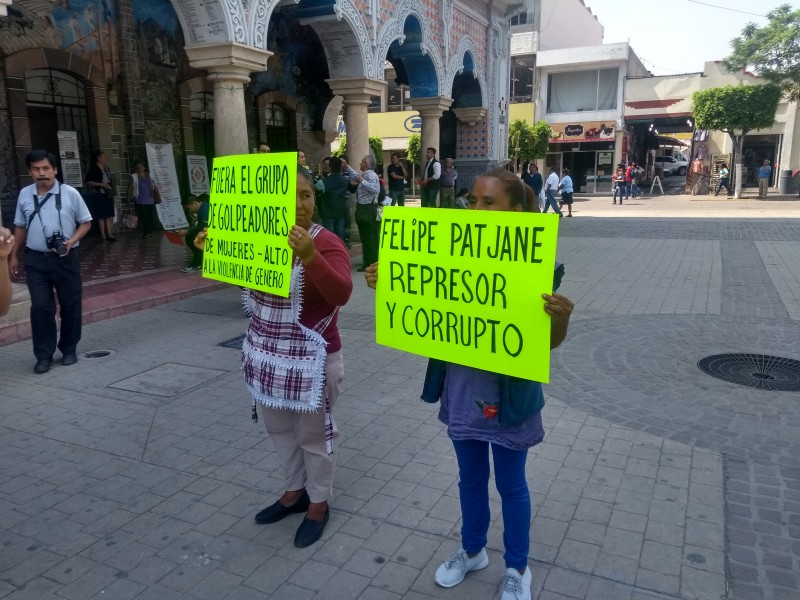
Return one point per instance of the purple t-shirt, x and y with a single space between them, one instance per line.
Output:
469 407
145 191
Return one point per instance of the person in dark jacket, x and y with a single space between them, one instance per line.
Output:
333 208
101 186
533 179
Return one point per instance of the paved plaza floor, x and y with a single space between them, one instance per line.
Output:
137 475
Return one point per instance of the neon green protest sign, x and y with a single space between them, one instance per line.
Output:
251 211
465 286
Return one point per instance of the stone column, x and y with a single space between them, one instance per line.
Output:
357 94
430 111
229 66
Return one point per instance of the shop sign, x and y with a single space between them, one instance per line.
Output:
395 124
590 131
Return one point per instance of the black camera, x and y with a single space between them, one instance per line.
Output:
58 243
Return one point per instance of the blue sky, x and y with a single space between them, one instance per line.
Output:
678 36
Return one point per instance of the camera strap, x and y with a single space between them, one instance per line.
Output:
37 209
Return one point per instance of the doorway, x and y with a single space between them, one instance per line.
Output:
201 107
56 101
279 132
582 168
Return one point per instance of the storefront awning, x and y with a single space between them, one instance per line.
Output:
664 140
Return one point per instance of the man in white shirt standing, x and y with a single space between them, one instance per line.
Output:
550 188
51 219
430 181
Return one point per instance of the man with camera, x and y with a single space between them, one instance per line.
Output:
50 221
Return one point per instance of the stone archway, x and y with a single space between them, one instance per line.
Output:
415 62
16 65
466 81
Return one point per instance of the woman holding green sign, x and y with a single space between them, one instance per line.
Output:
484 410
293 367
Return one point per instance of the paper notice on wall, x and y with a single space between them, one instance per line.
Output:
70 158
198 174
162 170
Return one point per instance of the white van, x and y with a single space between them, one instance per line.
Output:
673 164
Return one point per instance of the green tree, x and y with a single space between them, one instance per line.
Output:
414 149
773 50
736 110
527 142
541 139
414 156
375 147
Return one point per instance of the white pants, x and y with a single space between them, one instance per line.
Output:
299 439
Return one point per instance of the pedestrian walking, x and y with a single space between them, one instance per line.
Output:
629 170
293 366
636 175
764 174
50 221
511 426
620 186
142 189
550 188
566 187
724 180
534 180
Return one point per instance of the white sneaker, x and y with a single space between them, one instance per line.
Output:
454 569
516 586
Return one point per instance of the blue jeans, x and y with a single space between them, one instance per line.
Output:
398 197
619 189
337 226
428 196
550 200
473 486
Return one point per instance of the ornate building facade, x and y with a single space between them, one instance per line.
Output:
222 76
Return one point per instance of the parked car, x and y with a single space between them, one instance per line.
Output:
672 165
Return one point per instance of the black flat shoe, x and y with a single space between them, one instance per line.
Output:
310 531
276 512
42 365
70 358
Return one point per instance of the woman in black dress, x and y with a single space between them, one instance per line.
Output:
101 187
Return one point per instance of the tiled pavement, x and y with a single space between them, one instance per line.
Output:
137 475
